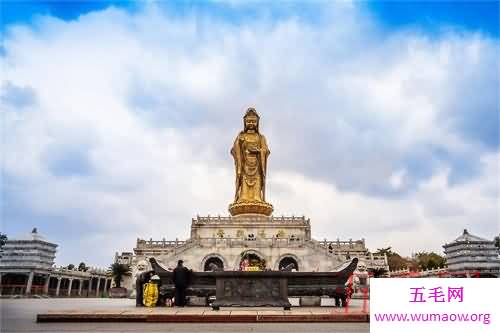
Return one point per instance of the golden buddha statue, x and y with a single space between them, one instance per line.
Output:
250 154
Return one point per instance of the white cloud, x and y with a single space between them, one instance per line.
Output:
360 123
424 220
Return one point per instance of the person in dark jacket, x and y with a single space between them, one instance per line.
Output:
180 277
142 279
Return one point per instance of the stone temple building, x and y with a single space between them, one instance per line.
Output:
27 268
470 255
251 236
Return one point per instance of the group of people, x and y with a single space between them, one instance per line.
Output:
148 286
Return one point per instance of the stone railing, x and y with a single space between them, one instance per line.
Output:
190 243
142 243
271 219
257 242
375 260
230 242
370 259
422 273
91 271
355 246
433 272
319 247
350 244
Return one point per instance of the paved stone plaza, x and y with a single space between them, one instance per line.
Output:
19 315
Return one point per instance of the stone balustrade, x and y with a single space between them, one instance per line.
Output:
233 242
342 243
158 243
301 220
421 273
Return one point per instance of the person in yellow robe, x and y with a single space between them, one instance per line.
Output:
151 291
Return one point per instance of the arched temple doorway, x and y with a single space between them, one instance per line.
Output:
287 264
213 264
251 260
211 260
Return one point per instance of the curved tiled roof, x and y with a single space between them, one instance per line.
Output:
466 237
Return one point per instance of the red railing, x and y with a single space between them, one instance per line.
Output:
20 289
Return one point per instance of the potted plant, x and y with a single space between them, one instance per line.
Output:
118 271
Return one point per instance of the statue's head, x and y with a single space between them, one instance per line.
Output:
362 266
251 120
142 265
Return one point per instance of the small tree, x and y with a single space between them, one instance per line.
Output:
82 267
71 267
118 271
429 260
3 239
385 250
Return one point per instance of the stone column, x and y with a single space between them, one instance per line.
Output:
58 285
80 287
97 289
46 285
69 287
30 282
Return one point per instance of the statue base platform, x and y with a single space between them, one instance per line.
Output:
260 208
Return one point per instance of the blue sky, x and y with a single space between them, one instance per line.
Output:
470 15
119 119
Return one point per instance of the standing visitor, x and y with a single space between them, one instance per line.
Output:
181 280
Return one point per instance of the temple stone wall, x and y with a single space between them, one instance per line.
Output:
308 259
271 238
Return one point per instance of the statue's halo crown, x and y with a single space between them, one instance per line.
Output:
251 112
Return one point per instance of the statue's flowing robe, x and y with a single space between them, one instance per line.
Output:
239 162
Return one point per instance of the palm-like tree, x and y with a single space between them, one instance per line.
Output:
82 267
3 239
118 271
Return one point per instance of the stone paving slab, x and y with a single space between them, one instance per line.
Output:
202 314
216 313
